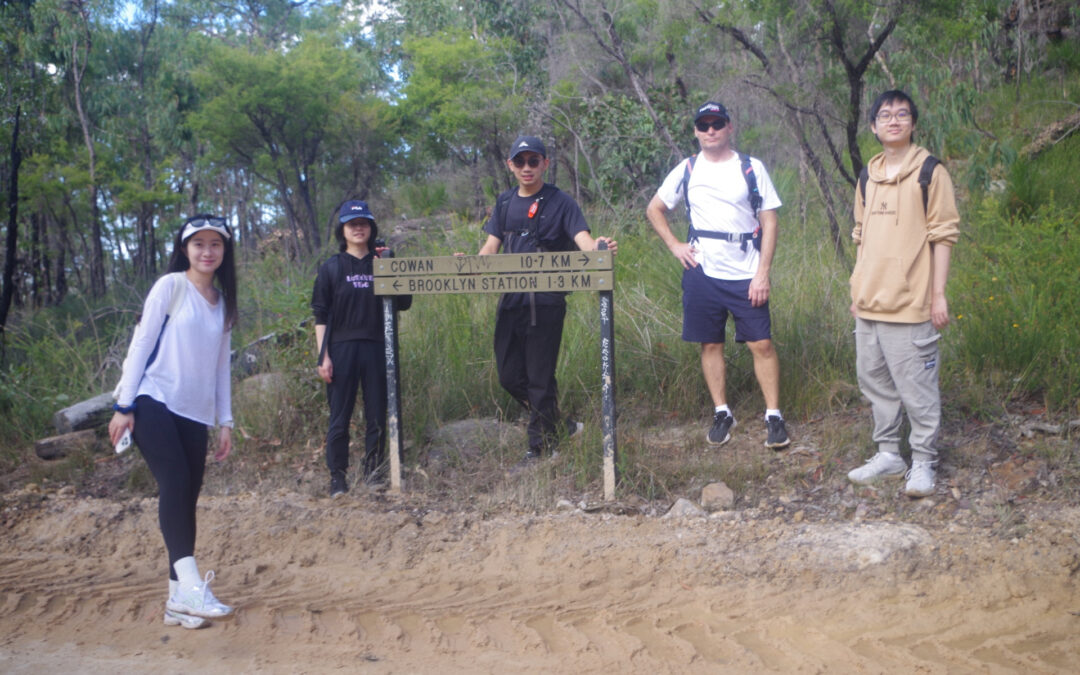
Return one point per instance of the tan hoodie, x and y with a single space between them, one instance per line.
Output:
893 275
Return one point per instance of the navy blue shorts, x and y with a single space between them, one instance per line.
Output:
707 303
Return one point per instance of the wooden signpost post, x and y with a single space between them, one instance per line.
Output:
501 273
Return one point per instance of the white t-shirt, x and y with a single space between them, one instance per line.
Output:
190 373
720 202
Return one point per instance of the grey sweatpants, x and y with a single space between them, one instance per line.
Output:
897 365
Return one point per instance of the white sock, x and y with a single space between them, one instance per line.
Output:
173 585
773 413
722 408
188 572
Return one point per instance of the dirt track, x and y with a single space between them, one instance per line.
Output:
378 586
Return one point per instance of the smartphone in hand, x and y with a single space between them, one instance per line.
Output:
125 442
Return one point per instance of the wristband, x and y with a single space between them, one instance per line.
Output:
124 409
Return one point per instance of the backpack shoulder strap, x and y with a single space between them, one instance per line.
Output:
751 183
864 176
687 169
926 174
179 291
333 268
547 192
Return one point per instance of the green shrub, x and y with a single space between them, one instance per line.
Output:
1015 301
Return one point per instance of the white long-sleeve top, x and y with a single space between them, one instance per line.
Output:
190 374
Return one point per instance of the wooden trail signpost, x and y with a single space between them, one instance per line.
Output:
500 273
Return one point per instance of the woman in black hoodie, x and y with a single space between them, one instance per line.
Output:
349 338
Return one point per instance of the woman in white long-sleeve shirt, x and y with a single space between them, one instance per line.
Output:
175 385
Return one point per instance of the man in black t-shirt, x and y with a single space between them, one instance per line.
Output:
533 217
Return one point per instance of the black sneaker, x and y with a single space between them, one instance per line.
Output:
338 486
778 437
531 459
722 425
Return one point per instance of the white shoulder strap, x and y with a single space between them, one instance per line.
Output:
179 290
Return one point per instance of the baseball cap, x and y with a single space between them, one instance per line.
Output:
711 109
354 208
528 144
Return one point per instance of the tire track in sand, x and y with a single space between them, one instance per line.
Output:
324 586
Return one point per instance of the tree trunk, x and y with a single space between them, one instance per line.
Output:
96 253
614 47
12 239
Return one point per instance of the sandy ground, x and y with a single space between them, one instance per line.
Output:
375 584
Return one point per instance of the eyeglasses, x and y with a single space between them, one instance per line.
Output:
532 161
212 222
900 115
716 125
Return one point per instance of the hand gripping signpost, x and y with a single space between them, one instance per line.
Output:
500 273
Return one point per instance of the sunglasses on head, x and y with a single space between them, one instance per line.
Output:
520 161
716 124
209 223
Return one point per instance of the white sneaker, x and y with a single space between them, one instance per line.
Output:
197 600
186 620
920 479
881 465
573 427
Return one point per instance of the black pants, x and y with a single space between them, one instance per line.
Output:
357 364
526 356
174 448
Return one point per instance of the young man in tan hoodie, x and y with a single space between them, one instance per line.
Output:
904 238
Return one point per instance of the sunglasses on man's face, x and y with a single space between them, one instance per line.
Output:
716 124
520 161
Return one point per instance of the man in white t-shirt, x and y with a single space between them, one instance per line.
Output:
731 205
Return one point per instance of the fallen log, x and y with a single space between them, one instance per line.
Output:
84 414
246 361
1052 135
1028 430
56 447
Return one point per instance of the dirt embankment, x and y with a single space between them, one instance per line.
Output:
804 574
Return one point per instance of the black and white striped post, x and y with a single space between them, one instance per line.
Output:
393 389
607 388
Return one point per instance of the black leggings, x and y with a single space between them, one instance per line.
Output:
174 448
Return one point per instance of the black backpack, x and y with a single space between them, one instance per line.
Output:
926 174
755 204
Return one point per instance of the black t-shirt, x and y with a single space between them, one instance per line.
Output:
554 223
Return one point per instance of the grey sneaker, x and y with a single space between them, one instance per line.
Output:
197 600
777 438
184 620
881 465
920 479
722 425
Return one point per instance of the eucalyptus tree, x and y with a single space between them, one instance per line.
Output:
277 112
145 64
472 76
72 28
18 77
617 93
463 102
